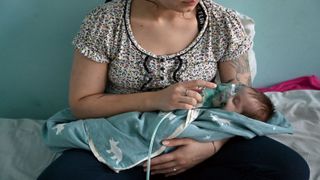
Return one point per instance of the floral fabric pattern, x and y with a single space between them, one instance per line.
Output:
106 37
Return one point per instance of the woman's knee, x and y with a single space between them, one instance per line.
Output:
281 161
295 167
83 165
261 158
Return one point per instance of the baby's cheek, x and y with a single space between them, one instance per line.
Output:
230 106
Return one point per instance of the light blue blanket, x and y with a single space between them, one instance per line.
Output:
122 141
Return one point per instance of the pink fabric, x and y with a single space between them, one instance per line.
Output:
300 83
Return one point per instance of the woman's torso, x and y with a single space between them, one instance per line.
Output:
132 68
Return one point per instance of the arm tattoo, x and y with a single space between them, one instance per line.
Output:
242 69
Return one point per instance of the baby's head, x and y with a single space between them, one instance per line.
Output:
251 103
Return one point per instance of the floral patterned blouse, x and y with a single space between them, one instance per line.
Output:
106 37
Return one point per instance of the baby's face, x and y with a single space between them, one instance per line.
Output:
241 101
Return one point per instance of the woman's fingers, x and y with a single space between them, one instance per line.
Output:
190 100
165 164
167 167
174 172
176 142
168 171
184 95
162 159
194 94
196 84
184 106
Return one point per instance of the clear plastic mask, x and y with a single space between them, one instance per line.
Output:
218 97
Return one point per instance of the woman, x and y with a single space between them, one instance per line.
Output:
146 55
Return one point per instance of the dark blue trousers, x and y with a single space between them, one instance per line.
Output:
260 158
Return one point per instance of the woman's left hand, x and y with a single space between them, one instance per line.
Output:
188 154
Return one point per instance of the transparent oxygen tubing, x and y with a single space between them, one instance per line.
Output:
151 145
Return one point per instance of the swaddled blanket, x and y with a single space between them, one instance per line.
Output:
122 141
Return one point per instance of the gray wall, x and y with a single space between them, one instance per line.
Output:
36 50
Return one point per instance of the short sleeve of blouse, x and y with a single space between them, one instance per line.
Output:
91 40
237 42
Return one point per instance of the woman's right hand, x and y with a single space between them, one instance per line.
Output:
183 95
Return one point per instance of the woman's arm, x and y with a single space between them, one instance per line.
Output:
88 100
237 70
86 92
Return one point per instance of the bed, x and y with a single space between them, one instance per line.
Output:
24 155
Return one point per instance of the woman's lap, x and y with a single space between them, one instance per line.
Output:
82 165
258 158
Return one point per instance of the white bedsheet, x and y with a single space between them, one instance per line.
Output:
23 155
302 108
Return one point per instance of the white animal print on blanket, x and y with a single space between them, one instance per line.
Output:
220 121
115 150
59 128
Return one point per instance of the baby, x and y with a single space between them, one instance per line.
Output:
240 99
